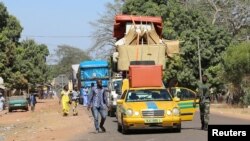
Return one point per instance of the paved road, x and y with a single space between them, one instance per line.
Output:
190 131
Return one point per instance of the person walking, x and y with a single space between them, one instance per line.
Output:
65 100
98 103
204 102
1 101
32 101
75 98
85 97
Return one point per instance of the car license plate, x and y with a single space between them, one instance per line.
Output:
153 120
17 104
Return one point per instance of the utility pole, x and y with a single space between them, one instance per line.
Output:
199 56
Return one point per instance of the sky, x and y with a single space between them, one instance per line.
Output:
57 22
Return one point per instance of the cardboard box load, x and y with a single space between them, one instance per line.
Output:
139 39
172 47
140 53
145 76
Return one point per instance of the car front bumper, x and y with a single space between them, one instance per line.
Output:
139 123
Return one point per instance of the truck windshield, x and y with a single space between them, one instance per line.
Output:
117 84
93 73
148 95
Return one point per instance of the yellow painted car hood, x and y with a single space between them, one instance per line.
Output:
150 105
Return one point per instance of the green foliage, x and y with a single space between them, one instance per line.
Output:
68 56
186 25
30 65
232 15
21 63
10 30
237 62
246 97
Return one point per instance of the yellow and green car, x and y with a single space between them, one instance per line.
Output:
187 103
154 108
147 108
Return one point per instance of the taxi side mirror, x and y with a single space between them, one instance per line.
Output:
119 101
176 99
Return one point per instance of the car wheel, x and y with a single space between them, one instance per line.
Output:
177 129
124 128
10 110
26 109
119 127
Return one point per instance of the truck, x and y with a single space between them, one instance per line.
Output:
115 87
90 71
139 41
140 47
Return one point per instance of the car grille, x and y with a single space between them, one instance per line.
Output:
153 113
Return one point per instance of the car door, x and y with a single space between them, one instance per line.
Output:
186 103
119 106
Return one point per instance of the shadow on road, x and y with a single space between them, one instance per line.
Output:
194 128
114 121
150 131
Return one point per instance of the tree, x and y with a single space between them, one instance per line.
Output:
10 30
186 25
103 35
30 64
236 62
67 56
232 15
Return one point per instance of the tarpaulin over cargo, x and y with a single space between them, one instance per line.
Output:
129 53
94 63
122 20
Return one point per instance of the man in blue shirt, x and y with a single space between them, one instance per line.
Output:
32 100
98 103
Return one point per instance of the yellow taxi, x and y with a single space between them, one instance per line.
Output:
147 108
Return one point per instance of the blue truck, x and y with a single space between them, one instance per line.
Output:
91 70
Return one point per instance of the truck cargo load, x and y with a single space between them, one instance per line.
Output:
145 76
139 38
154 53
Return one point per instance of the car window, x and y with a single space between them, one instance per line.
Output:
117 86
16 97
148 95
183 94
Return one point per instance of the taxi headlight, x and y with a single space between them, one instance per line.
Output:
129 112
176 111
136 113
168 113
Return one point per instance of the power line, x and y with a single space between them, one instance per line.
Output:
58 36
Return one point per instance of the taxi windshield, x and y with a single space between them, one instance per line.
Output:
148 95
